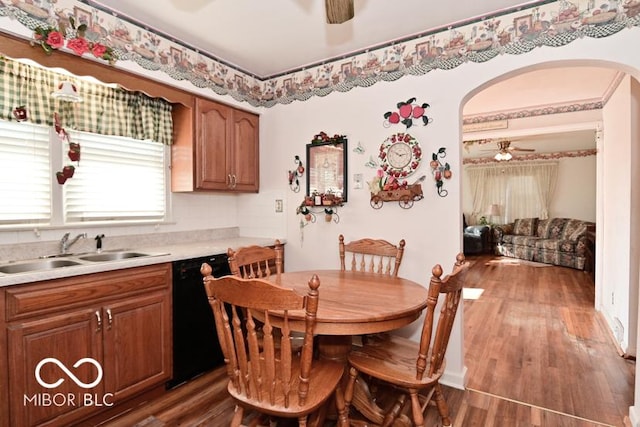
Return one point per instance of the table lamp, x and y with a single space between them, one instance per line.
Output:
493 211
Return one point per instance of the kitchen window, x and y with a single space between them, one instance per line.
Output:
25 179
123 136
117 179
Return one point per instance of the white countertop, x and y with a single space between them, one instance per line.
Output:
161 254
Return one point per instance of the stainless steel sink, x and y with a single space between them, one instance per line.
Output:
112 256
25 267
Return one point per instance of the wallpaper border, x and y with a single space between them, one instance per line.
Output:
546 23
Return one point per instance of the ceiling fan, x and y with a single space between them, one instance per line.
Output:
505 149
338 11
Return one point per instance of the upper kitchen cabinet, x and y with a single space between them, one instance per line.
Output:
216 148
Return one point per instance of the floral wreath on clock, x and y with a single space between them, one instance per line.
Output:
412 165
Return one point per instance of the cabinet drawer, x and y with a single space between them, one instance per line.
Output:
60 294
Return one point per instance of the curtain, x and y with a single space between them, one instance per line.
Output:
104 110
522 190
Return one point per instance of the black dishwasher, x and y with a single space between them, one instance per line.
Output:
195 342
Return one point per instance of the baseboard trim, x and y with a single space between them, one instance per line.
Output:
634 416
607 326
455 379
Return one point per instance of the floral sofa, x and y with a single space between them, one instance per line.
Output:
557 241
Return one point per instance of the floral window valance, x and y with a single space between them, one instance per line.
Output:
104 109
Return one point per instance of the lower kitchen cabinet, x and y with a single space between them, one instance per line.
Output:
81 345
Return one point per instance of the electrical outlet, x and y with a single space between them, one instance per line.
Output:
618 329
278 205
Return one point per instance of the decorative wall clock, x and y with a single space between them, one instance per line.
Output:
400 155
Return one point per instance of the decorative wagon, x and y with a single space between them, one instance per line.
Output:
404 196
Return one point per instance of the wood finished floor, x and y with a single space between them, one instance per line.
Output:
533 336
537 354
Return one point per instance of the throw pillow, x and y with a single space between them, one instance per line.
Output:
525 226
555 228
574 229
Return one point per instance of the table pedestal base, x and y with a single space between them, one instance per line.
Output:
334 347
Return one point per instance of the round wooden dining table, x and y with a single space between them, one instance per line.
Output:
354 303
350 304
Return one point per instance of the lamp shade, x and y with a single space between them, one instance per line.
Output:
67 91
493 210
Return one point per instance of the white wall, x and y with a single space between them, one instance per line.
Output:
575 193
617 198
634 292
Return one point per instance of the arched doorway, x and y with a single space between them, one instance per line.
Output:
622 90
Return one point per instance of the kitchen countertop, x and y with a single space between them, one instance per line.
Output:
160 254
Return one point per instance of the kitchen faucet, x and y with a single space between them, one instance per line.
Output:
66 244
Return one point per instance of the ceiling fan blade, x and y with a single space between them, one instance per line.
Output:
338 11
521 149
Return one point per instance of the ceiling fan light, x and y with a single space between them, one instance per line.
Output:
503 156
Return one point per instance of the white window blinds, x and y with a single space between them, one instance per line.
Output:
25 177
117 179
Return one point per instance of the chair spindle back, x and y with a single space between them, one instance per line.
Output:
372 255
255 366
259 262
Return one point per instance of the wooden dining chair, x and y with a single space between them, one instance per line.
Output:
412 368
275 383
250 262
374 255
256 261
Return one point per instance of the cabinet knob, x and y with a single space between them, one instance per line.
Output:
109 318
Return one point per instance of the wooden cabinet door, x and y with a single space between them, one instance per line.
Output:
245 167
213 155
68 338
137 343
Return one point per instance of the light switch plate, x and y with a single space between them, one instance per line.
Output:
357 181
278 205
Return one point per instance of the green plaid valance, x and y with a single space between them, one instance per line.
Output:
104 109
